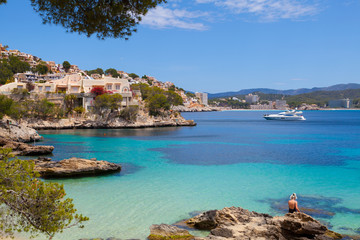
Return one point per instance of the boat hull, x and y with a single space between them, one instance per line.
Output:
285 118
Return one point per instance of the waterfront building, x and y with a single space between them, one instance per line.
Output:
280 104
262 106
250 98
341 103
78 85
203 97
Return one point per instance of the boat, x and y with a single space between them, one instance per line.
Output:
289 115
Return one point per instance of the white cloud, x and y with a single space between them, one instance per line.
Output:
162 17
268 10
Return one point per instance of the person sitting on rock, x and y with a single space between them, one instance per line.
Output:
293 205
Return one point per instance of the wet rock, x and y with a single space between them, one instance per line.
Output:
74 167
164 232
24 149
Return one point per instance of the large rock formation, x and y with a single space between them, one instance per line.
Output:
74 167
239 223
112 121
17 132
24 149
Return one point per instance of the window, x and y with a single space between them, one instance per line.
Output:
109 87
19 87
117 86
47 88
40 88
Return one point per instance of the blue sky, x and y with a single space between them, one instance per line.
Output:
212 45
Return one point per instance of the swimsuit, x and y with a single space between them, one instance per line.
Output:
292 210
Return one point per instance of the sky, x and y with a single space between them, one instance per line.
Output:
211 45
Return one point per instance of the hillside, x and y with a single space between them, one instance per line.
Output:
323 97
336 87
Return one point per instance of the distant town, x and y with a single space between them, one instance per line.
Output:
47 79
50 80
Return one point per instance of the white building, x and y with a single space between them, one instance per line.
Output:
203 97
251 98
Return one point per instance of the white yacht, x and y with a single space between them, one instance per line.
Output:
289 115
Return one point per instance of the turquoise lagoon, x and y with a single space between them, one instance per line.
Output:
233 158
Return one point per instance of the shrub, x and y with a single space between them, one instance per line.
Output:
129 113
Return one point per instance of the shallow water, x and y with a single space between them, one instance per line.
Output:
231 158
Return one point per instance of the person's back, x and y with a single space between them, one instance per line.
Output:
293 206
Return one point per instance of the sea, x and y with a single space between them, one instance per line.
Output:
231 158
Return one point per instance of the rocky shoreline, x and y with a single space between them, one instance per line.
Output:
237 223
82 123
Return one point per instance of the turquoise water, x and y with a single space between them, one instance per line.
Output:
229 159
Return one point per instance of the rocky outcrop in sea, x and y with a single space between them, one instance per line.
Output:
24 149
74 167
238 223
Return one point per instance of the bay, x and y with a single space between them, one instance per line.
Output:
231 158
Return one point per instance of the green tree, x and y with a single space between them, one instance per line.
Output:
173 98
107 102
66 66
44 109
133 75
5 105
104 18
41 69
129 113
95 71
30 205
18 66
5 72
172 88
113 72
157 103
69 101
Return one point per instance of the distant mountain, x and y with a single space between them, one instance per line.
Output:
336 87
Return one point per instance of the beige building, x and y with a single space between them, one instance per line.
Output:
80 86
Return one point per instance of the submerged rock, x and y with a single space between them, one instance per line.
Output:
239 223
164 232
24 149
74 167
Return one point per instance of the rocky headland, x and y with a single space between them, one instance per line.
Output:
74 167
142 121
238 223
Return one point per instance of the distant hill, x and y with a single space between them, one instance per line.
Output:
337 87
323 97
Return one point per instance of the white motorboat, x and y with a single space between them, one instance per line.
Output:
289 115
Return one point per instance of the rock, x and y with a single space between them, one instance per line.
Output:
74 167
238 223
164 232
17 132
24 149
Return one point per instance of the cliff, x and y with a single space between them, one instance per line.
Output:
111 121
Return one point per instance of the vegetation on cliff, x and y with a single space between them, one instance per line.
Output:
158 100
10 66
